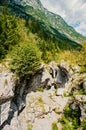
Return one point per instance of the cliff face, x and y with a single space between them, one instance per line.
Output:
24 104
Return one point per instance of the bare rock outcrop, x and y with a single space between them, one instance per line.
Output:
23 106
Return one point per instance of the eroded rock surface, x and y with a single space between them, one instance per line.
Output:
6 87
23 106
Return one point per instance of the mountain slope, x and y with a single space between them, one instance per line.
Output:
54 23
36 4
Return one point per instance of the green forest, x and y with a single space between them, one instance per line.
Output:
25 39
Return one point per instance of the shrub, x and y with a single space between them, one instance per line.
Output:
72 116
66 124
83 124
70 119
25 60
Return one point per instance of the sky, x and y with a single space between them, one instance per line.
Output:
72 11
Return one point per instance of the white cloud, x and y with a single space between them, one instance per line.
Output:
81 28
73 11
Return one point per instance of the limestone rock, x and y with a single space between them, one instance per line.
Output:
6 86
22 104
60 92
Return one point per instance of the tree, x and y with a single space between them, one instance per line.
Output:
8 31
25 60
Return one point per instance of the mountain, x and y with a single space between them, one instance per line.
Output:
53 22
50 22
36 4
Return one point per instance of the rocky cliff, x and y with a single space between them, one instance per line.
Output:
37 103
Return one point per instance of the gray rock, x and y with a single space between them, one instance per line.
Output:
5 108
21 106
47 77
6 87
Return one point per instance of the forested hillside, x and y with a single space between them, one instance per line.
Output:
16 31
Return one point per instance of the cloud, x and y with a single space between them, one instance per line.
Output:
81 28
73 12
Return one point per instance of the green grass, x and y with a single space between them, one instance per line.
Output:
30 127
5 82
54 126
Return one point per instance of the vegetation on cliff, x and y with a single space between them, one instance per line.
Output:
25 59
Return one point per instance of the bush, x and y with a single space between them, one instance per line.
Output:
66 124
83 124
72 116
70 119
25 60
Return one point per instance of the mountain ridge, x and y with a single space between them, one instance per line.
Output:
53 23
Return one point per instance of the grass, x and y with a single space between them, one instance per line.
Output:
66 124
30 127
5 82
39 89
40 102
54 126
